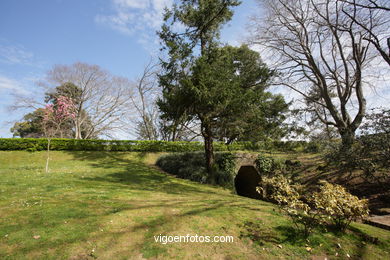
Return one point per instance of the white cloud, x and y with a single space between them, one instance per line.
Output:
130 16
136 17
15 54
11 86
139 4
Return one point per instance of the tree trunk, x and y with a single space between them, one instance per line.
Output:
48 155
347 138
209 150
76 129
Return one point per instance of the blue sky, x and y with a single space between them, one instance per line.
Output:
118 35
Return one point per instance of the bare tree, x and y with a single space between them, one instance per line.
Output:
374 18
144 101
101 97
179 130
370 4
321 54
147 121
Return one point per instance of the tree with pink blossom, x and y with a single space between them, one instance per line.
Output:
54 119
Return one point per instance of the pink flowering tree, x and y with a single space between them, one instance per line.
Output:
56 115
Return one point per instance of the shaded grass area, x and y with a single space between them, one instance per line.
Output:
110 205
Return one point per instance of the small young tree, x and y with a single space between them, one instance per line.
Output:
56 115
99 97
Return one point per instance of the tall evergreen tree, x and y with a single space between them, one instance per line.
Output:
202 21
203 81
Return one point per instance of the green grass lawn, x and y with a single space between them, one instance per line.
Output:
100 205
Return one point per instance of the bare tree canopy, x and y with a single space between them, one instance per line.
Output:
101 97
321 54
370 4
144 102
373 16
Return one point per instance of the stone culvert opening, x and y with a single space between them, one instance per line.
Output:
246 181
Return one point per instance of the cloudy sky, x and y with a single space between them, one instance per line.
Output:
118 35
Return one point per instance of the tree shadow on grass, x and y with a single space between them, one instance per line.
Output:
365 238
259 233
134 174
291 235
362 241
202 207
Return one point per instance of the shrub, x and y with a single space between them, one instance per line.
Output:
192 166
375 143
279 165
144 146
337 204
307 211
293 164
39 144
264 164
312 147
226 165
371 151
269 166
290 200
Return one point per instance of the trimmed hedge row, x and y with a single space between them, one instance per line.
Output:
39 144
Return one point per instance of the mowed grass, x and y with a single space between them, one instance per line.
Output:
101 205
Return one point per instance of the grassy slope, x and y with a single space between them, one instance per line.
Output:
110 205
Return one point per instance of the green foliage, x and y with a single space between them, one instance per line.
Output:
345 159
184 165
290 199
31 126
199 24
371 151
289 145
75 93
226 165
337 204
270 166
313 147
307 211
67 89
226 92
223 88
375 143
39 144
192 166
264 164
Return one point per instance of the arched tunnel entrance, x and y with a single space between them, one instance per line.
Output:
246 181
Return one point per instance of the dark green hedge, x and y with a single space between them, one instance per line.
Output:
191 166
39 144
